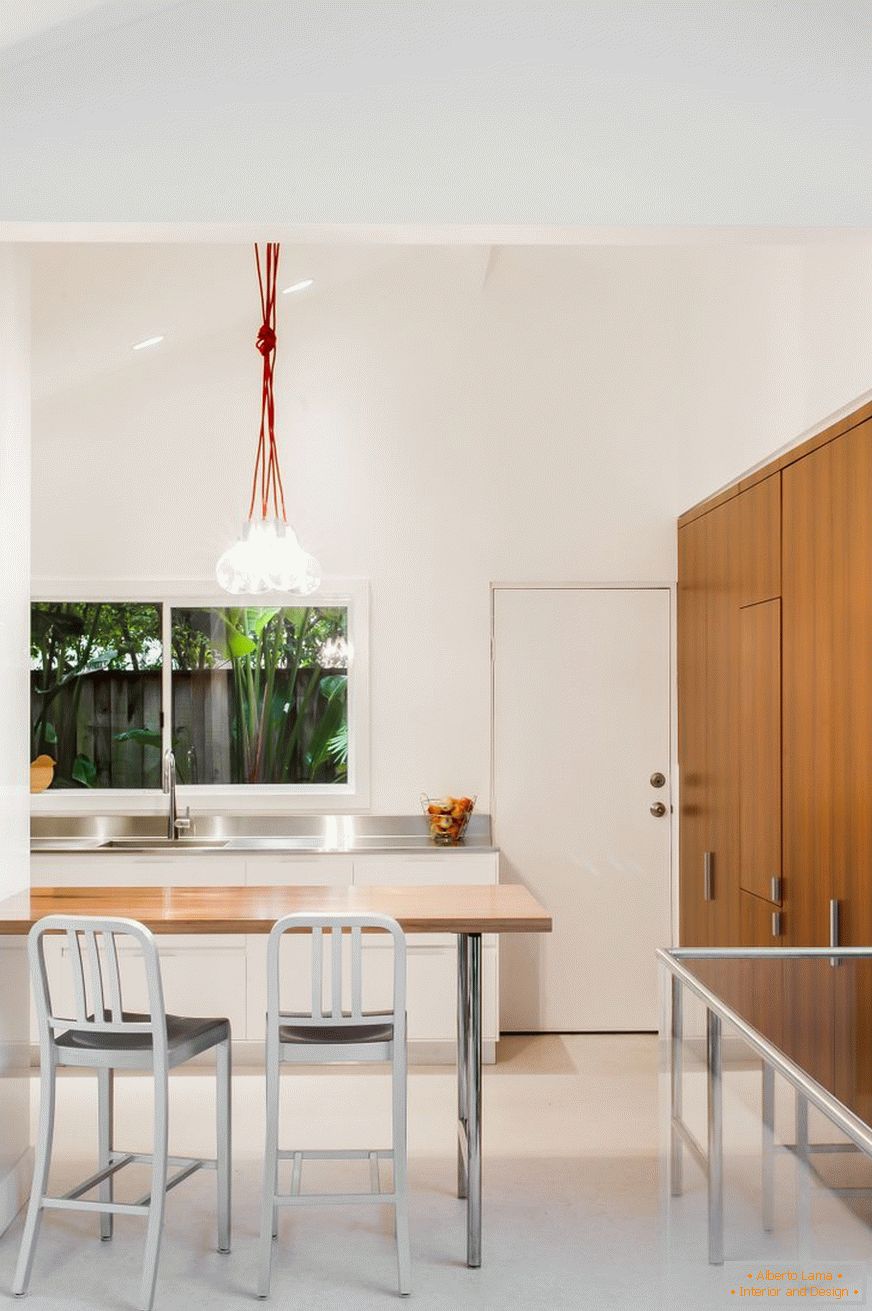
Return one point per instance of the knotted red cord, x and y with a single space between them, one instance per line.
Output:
266 465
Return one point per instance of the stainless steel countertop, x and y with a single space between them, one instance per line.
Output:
214 834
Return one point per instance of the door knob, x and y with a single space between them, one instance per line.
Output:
657 809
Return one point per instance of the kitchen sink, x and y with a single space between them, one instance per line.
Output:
163 844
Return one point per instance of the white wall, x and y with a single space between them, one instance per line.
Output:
445 421
14 714
776 340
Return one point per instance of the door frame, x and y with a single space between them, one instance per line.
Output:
671 590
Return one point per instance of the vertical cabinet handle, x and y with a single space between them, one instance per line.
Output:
708 861
775 888
834 929
776 923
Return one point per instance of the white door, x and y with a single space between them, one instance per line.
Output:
581 723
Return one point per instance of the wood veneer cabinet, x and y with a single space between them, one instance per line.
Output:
780 566
694 908
827 691
759 750
729 568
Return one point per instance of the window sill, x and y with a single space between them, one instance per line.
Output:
339 798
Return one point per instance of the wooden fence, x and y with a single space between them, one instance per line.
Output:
88 714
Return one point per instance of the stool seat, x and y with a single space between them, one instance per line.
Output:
325 1034
180 1029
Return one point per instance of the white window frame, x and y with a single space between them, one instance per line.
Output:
204 798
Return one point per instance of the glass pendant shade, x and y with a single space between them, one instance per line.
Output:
267 558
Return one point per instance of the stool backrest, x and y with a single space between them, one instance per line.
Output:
98 1003
331 985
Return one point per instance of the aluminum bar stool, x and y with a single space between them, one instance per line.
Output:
327 1031
102 1035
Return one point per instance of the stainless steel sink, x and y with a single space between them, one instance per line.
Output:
63 843
163 844
288 842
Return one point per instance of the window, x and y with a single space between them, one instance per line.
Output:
260 694
95 692
248 697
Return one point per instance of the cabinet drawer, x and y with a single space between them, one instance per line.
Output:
432 868
298 871
141 871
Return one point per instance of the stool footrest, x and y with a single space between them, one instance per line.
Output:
73 1204
97 1178
185 1173
69 1201
383 1154
147 1158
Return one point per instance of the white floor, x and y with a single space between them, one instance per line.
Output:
572 1217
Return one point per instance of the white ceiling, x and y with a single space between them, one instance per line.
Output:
601 112
91 303
22 19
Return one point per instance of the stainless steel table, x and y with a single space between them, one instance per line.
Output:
807 1013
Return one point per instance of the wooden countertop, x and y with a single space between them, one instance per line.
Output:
441 908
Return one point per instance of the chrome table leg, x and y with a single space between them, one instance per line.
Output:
715 1139
768 1157
469 1087
803 1175
473 1105
676 1157
462 1013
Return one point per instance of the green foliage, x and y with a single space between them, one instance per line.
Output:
72 637
145 736
333 688
71 643
84 771
285 708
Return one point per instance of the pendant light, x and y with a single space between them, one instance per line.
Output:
267 557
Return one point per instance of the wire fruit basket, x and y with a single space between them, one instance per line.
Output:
447 817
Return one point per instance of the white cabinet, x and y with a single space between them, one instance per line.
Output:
429 868
84 870
201 976
226 975
298 871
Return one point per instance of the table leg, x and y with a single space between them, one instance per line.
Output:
803 1175
462 1054
469 1086
768 1155
715 1139
473 1106
676 1056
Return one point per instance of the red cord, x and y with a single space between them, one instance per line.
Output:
266 466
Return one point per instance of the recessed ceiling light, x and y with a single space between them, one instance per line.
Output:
298 286
149 341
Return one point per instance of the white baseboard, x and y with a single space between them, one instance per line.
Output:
15 1188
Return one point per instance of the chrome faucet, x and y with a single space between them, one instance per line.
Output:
176 823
